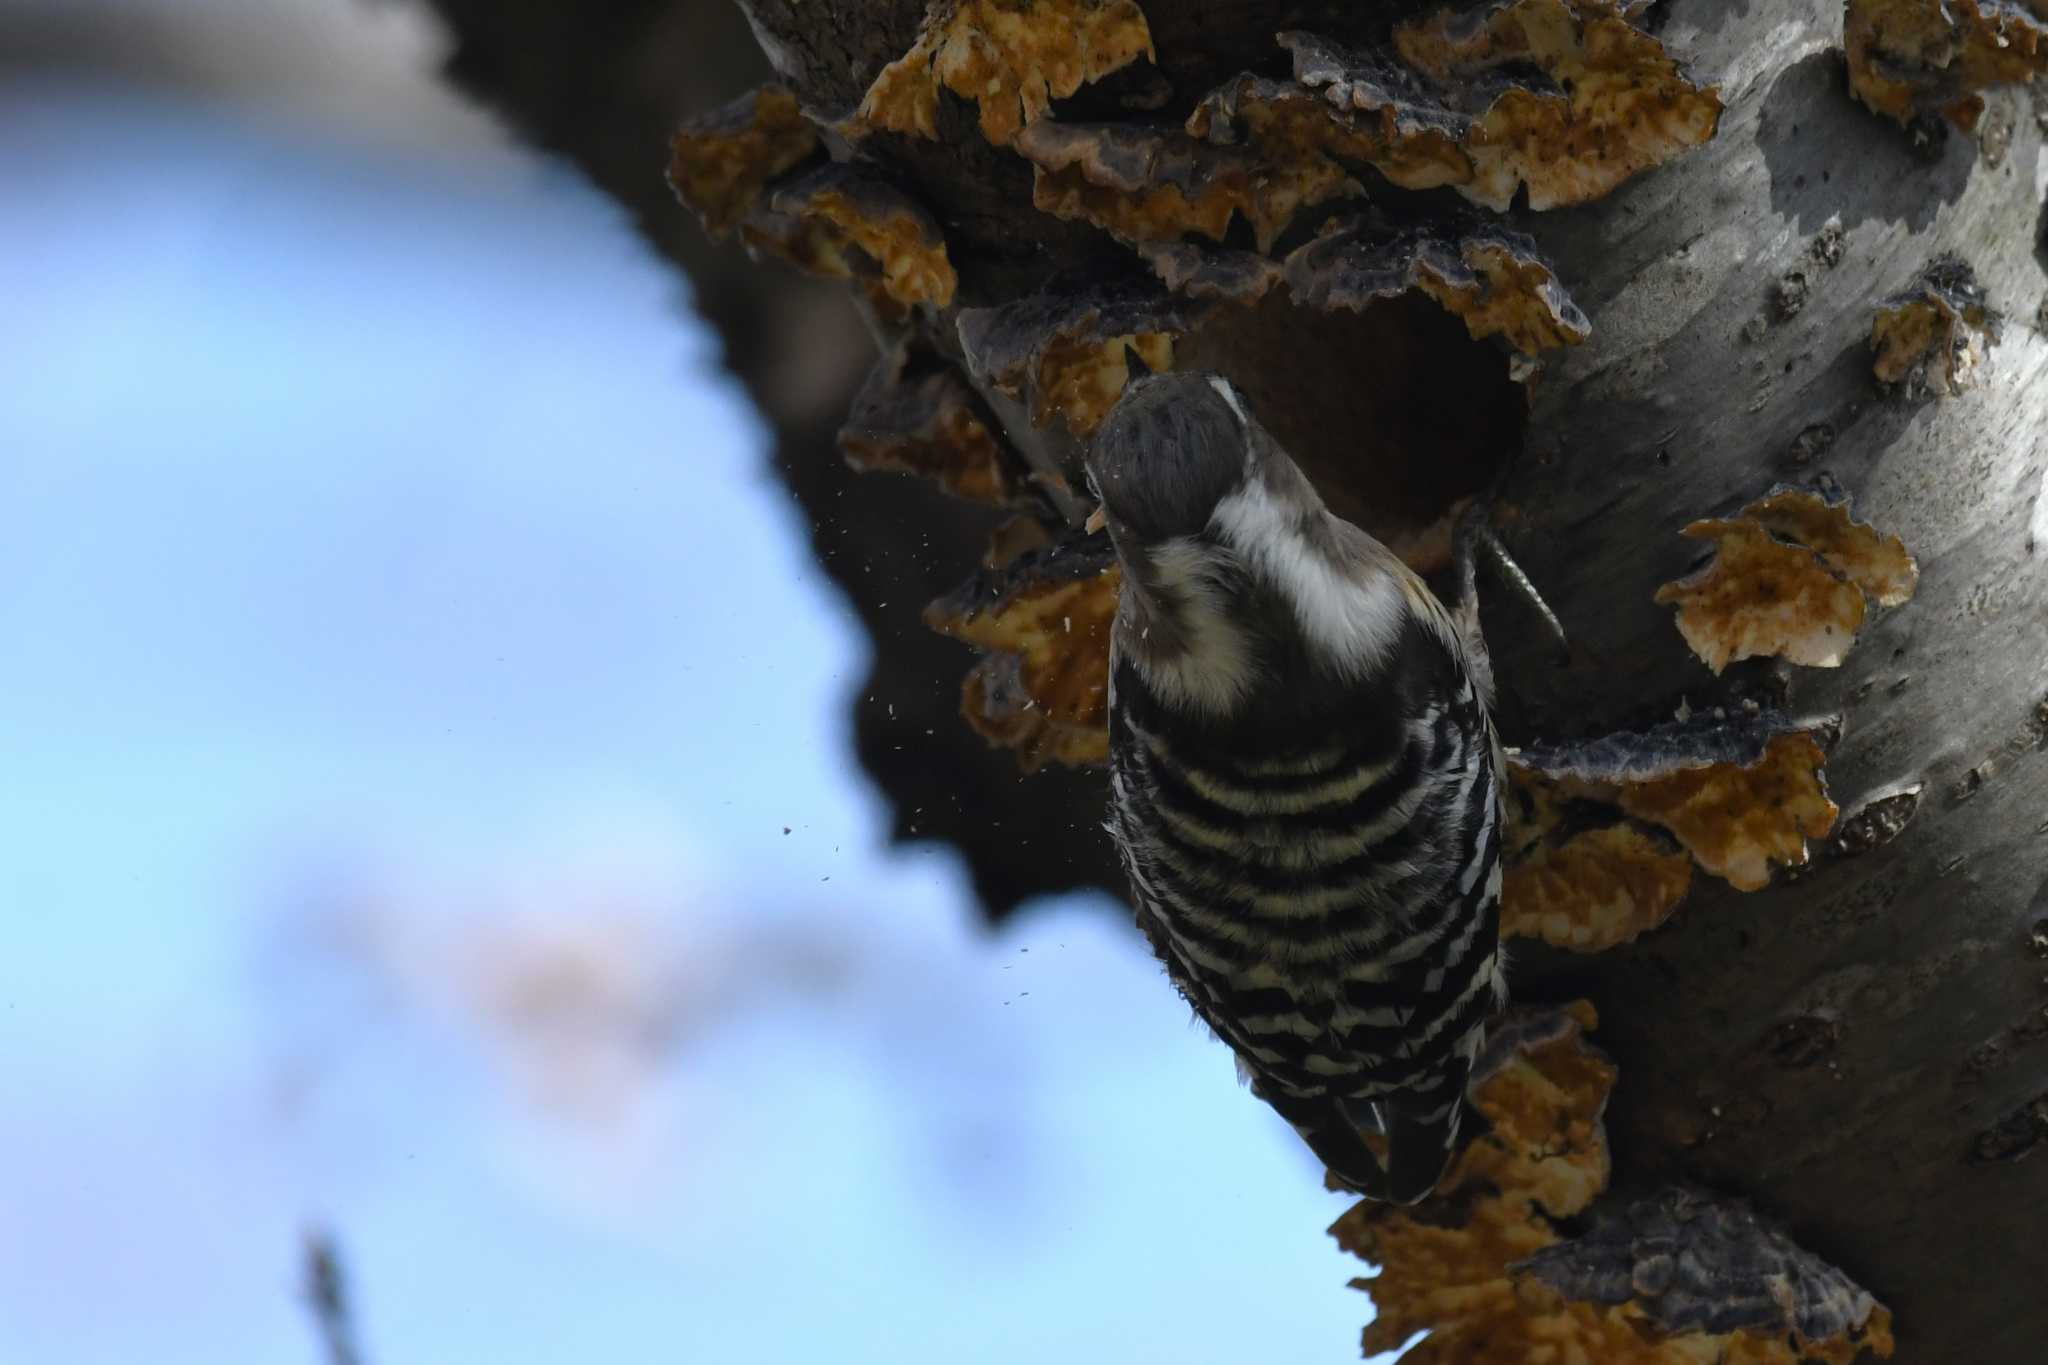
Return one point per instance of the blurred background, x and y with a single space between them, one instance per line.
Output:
411 833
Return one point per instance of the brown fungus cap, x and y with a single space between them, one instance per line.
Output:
1788 579
1493 279
1685 1271
720 162
1485 1266
1738 794
1914 58
1933 338
1150 184
1564 98
924 419
1045 619
1066 353
1013 57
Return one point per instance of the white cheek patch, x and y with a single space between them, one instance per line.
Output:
1216 669
1228 395
1236 406
1356 618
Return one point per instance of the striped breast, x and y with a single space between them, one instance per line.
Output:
1331 909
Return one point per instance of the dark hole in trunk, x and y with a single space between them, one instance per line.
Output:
1395 412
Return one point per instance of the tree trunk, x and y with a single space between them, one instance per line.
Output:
1634 266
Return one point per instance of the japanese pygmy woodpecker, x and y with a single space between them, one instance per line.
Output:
1306 783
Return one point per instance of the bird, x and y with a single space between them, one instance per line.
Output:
1305 781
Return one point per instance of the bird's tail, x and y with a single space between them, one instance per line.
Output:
1332 1133
1423 1129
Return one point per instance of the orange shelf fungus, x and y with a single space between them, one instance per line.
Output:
1689 1278
1739 820
1492 279
1067 355
1044 617
733 169
1564 98
1596 890
1789 579
839 222
1147 184
1603 837
1213 273
1445 1263
1913 58
929 423
882 222
1484 1267
1012 57
1875 562
719 163
1617 103
1933 338
1761 596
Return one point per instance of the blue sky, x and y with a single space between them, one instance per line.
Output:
392 832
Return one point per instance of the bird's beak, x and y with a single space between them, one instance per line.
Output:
1097 519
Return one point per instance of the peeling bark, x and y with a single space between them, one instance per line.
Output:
1695 282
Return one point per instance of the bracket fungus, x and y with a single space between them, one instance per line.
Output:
1044 617
1875 562
1595 890
720 162
1738 819
1619 103
1444 1263
1789 578
1388 120
1066 354
1212 273
1493 279
1685 1271
927 421
1567 98
1912 58
1933 338
1149 184
1488 1269
1602 836
839 207
1013 57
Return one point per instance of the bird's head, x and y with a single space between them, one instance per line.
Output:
1234 570
1174 448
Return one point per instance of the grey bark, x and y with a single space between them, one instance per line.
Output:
1892 1147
